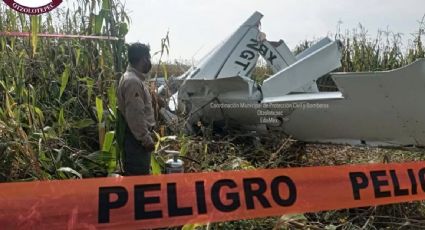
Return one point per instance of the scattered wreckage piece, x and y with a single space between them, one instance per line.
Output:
374 108
379 108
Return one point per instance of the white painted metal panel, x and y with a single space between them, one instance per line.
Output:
376 108
313 48
381 108
279 58
321 96
198 95
304 72
243 57
212 65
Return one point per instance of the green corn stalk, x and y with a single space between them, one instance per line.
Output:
112 102
100 123
156 167
35 26
61 121
109 152
34 99
191 226
64 80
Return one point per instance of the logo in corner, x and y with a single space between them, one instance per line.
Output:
33 7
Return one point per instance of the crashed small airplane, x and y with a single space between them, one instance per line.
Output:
372 108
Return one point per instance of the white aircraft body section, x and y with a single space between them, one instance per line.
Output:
375 108
280 56
228 59
380 108
305 71
283 58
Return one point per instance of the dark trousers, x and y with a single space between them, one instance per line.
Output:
136 159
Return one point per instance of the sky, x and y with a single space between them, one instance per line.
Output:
197 26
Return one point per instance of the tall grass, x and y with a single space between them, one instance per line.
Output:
362 51
385 51
49 89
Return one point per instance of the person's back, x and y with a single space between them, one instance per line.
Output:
135 106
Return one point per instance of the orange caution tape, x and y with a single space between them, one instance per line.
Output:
178 199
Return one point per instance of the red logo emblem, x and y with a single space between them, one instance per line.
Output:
33 7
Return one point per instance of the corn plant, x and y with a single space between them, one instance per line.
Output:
54 92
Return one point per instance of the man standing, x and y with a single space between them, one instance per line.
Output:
135 106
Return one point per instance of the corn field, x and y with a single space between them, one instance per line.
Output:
58 109
57 96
